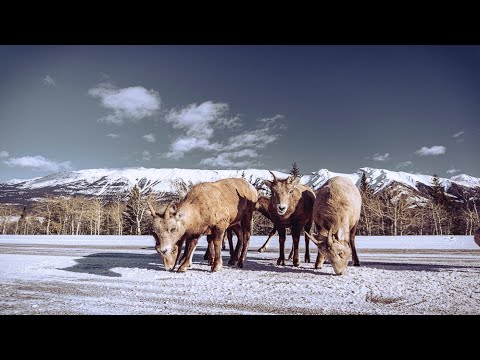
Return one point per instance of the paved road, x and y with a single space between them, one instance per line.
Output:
108 279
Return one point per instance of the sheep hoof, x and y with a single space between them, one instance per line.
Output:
317 266
307 259
356 264
224 247
290 257
262 249
232 262
281 262
216 267
240 264
205 257
182 269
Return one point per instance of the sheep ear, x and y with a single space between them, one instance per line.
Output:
295 181
267 183
173 209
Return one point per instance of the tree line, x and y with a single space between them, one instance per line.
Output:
391 212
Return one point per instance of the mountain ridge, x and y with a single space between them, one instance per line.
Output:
108 182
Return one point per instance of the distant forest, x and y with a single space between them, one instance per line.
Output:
386 213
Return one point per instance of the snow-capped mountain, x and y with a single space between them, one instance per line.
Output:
108 182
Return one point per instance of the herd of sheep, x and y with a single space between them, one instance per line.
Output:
226 206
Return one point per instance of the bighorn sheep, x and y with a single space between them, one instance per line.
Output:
208 209
336 213
290 206
477 236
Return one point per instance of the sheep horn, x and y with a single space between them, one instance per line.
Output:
152 210
330 238
167 211
274 177
315 241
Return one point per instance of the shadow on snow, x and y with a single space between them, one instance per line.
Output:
102 263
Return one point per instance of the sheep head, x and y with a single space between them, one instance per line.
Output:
168 230
334 248
282 191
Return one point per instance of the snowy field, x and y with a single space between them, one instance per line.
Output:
124 275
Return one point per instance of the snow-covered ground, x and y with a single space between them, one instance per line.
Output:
124 275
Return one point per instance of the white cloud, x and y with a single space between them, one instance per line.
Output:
199 124
226 159
146 156
38 163
4 153
113 136
185 144
379 157
200 120
434 150
403 164
456 135
131 103
48 81
274 121
149 137
256 139
453 171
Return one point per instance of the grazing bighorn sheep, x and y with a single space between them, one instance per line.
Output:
290 206
477 236
336 213
208 209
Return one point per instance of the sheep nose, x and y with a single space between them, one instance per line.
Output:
281 207
164 251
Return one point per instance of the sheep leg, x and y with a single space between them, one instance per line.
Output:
230 241
207 254
290 255
217 244
233 255
224 244
246 228
210 249
296 231
238 249
320 260
264 246
187 258
180 245
307 228
282 235
356 262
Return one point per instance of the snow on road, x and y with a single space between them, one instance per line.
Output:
124 275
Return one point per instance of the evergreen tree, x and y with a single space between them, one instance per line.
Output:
437 192
295 172
364 189
243 175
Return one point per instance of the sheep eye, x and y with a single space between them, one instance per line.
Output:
341 254
291 191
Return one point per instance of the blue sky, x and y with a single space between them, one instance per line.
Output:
410 108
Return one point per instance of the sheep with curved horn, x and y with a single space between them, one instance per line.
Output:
209 208
291 207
